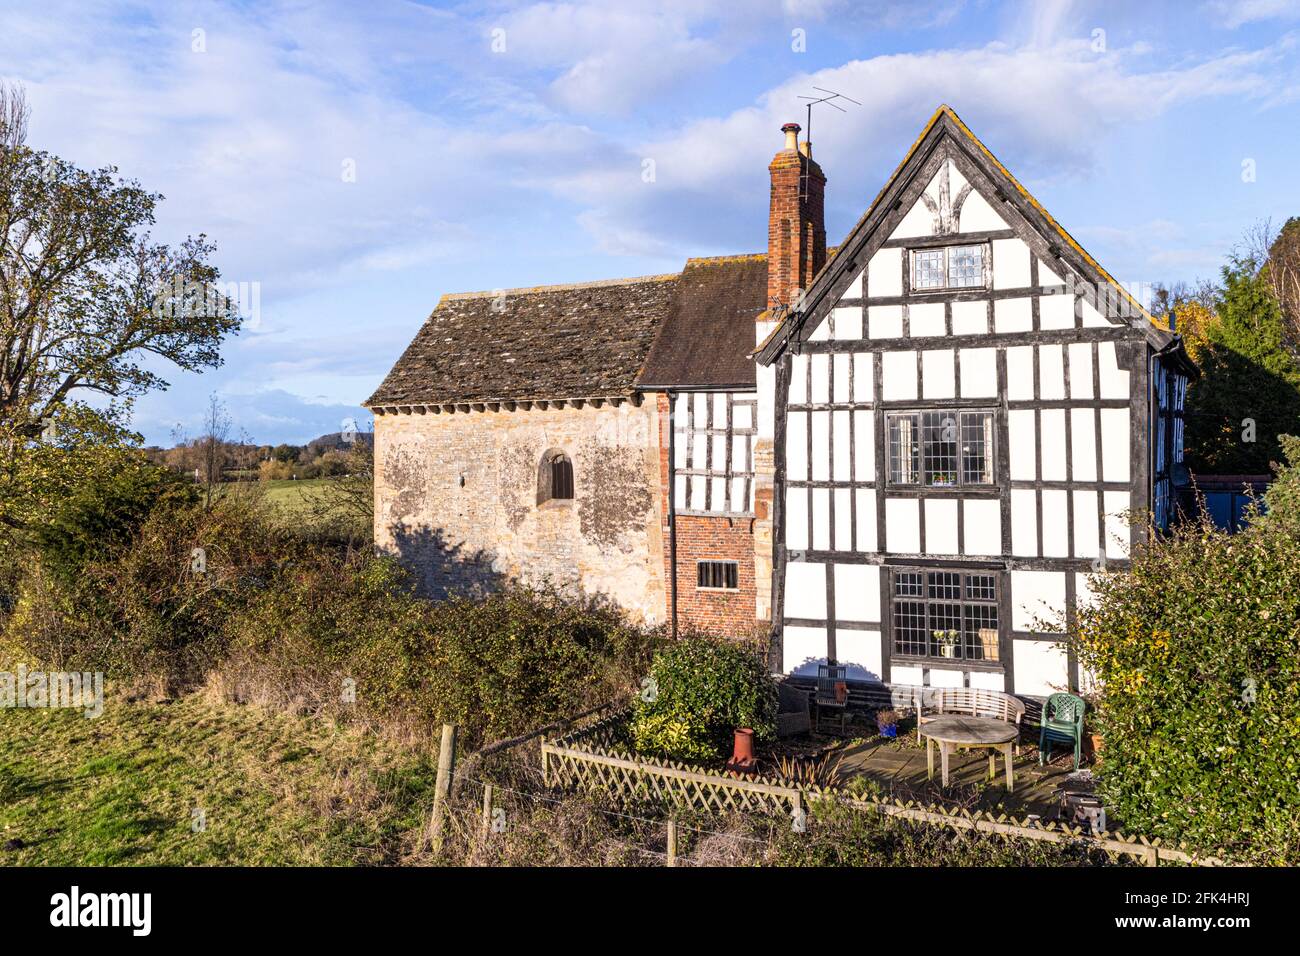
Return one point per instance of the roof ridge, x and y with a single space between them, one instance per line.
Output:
735 257
562 287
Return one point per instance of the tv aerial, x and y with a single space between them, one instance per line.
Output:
827 98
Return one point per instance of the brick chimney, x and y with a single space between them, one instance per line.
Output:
796 224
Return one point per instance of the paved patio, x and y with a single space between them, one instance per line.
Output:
898 767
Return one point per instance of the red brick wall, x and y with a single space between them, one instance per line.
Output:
707 538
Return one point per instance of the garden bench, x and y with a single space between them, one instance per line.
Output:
971 701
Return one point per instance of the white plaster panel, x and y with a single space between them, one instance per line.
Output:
1087 541
1056 528
1081 370
866 508
919 221
1117 505
821 519
1020 433
938 373
988 680
1041 667
1020 373
1024 522
903 525
979 373
821 464
802 649
1037 596
1055 311
798 379
1083 443
885 322
1047 275
1114 380
1013 315
857 592
863 377
1051 373
840 383
864 446
1115 442
796 519
854 289
1091 317
820 369
1052 428
796 446
940 526
983 531
970 318
848 323
885 273
1010 264
805 590
978 216
861 650
946 678
841 422
843 519
898 371
908 676
926 319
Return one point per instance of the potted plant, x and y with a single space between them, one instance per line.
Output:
947 641
887 722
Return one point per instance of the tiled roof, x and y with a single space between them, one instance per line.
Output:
709 333
588 340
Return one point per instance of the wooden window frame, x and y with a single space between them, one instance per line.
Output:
905 652
986 268
959 484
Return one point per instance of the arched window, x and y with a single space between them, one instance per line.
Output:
555 477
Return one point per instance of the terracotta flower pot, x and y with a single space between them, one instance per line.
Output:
742 753
1092 746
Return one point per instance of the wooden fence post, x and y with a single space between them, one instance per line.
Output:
487 810
446 770
672 842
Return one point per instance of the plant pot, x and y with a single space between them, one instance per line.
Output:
742 753
1092 744
889 731
947 650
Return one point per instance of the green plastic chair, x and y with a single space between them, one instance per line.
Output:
1062 722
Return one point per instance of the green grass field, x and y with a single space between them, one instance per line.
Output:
272 789
295 497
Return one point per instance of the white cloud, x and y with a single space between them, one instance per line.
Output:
1236 13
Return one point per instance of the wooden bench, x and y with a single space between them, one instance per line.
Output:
971 701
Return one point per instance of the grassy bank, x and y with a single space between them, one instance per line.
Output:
273 789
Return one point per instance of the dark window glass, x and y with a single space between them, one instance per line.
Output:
561 477
946 614
720 575
941 449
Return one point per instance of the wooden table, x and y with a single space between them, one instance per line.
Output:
953 731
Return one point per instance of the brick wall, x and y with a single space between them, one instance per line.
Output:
707 538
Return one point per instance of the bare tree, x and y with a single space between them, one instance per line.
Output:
213 445
1284 277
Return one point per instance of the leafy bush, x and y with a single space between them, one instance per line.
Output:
701 689
1197 652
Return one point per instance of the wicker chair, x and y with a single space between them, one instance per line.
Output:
973 701
832 692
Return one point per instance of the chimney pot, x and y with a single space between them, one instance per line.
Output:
791 131
806 148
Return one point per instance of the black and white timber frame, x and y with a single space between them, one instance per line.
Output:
1086 391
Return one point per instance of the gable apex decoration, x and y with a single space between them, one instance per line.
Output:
947 136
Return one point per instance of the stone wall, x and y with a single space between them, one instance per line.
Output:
456 499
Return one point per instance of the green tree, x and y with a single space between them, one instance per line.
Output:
86 298
1249 390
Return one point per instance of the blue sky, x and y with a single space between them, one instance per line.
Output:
498 145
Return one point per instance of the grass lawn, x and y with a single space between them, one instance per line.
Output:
293 496
273 789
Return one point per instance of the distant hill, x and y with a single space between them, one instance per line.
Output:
335 440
